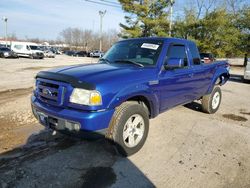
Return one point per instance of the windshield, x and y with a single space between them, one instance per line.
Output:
34 47
144 52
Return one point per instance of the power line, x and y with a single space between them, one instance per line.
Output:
110 2
105 3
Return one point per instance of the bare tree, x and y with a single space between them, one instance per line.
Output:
200 5
86 39
76 37
210 4
234 5
67 36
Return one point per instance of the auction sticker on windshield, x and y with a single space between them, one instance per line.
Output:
150 46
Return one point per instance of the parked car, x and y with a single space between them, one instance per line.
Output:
96 53
81 54
247 71
207 57
56 50
136 80
7 53
27 49
69 53
49 54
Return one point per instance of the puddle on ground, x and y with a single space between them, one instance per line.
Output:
99 177
245 113
235 117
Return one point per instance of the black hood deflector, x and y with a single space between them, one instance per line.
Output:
66 78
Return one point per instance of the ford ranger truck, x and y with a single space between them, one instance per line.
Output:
136 80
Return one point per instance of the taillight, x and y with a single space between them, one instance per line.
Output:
227 66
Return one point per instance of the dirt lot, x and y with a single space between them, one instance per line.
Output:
185 147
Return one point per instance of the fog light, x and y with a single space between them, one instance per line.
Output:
77 127
72 126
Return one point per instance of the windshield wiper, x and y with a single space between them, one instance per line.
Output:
105 60
129 61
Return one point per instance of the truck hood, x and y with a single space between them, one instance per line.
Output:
100 73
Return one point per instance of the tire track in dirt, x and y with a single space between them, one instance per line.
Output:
16 122
13 94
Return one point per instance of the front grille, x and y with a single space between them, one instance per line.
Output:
51 93
39 54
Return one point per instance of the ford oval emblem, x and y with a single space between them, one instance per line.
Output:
46 91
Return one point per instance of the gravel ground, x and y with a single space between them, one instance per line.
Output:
185 147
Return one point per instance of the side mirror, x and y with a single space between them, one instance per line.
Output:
174 63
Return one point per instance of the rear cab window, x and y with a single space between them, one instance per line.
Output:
196 60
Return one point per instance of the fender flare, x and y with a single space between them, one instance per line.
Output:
141 90
223 77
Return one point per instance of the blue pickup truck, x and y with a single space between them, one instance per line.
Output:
136 80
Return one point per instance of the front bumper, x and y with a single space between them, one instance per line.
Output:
67 120
37 55
247 75
10 55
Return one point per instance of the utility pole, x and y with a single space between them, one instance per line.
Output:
5 19
102 14
171 16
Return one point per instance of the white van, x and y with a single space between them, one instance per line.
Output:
27 49
247 71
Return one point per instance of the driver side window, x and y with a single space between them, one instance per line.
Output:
177 51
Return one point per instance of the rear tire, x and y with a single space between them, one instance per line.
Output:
129 127
210 103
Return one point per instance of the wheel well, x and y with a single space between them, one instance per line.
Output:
144 101
222 79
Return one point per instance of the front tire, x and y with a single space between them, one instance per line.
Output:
129 127
210 103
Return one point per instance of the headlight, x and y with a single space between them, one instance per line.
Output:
6 54
86 97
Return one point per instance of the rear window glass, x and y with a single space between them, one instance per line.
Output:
195 54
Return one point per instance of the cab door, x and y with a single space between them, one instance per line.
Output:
176 86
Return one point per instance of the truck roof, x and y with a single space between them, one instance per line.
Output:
163 38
